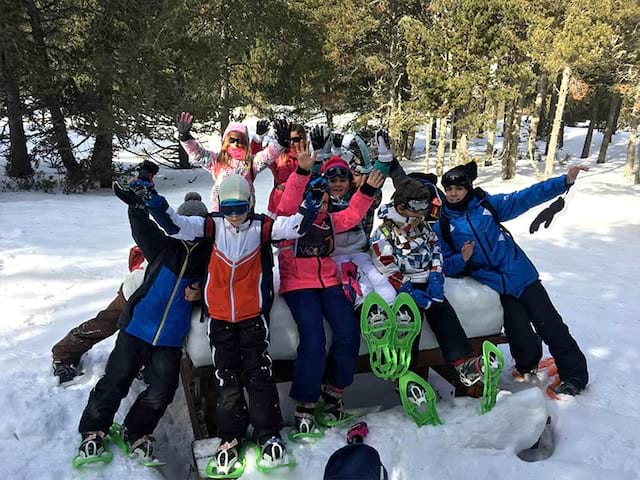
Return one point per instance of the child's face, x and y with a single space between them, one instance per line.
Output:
455 193
339 186
236 220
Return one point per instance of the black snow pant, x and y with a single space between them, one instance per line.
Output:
162 375
446 327
534 307
241 360
87 334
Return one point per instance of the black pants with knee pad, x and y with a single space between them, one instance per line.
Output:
241 361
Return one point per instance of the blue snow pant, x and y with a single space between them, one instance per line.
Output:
312 365
534 307
162 374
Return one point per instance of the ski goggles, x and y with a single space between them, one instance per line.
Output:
296 139
236 141
234 208
458 178
340 172
431 207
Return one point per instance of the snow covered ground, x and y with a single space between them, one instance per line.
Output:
62 258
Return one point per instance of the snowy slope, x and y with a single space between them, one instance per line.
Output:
62 258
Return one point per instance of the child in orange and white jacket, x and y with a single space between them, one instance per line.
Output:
311 285
238 294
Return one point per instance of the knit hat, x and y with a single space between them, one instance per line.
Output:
193 206
462 176
357 154
235 187
334 161
237 127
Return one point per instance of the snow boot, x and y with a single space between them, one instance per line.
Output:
65 371
228 461
469 370
142 450
567 387
305 428
331 411
273 454
92 450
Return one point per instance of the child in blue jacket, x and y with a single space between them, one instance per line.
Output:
474 243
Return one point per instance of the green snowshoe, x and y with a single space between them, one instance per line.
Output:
228 462
408 324
141 450
92 449
273 455
378 327
418 400
492 365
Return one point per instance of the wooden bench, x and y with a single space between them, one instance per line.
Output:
198 382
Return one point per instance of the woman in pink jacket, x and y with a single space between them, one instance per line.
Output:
237 154
285 165
311 286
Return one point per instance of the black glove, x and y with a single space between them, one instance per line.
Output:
283 132
546 215
319 136
147 170
337 140
184 122
262 126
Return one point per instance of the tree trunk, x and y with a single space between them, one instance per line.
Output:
102 157
614 126
442 141
19 164
631 148
329 116
411 139
602 154
557 120
427 147
50 97
592 123
552 109
462 152
491 133
451 147
535 117
543 122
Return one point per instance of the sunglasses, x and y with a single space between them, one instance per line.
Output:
334 172
296 139
236 141
234 208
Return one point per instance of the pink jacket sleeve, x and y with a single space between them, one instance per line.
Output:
200 155
351 216
266 157
292 196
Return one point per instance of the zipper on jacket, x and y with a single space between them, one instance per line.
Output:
233 302
484 252
173 294
320 272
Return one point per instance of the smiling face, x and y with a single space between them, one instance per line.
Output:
455 193
339 186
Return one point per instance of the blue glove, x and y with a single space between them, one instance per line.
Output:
147 193
312 201
435 287
421 298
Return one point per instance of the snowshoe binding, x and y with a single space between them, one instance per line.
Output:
305 430
492 365
408 325
65 371
140 449
92 449
228 461
273 455
470 371
418 400
330 412
378 327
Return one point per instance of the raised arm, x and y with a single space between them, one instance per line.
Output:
359 205
197 153
178 226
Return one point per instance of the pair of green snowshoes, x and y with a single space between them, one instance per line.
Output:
237 469
390 332
114 436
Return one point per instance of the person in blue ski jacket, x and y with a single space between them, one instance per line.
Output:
475 243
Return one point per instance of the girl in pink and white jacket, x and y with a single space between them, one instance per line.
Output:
311 286
237 154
